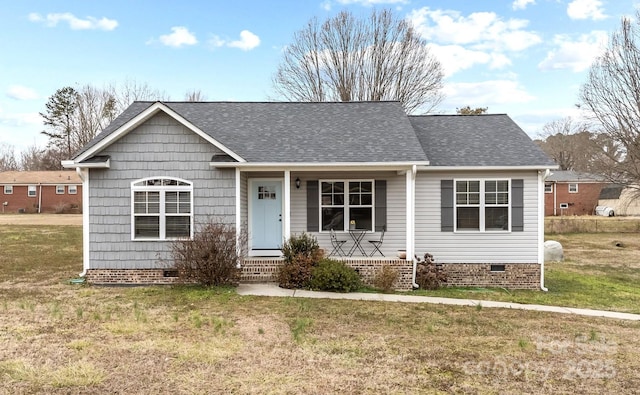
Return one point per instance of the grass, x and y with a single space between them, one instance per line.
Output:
60 338
595 274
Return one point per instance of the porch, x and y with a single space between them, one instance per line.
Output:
265 269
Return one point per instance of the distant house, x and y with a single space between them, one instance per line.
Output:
468 189
40 191
571 193
623 201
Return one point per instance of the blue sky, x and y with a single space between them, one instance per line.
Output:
526 58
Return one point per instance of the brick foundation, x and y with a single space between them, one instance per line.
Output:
514 276
261 270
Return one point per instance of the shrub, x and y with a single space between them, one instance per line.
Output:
211 258
331 275
386 278
428 274
301 254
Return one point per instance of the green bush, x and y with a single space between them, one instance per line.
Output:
301 254
331 275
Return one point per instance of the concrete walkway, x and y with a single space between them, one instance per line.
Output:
274 290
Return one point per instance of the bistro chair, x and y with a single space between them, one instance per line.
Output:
378 243
337 244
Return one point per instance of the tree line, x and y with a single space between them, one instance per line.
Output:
382 57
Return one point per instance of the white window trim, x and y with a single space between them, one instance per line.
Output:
73 191
162 213
569 187
29 190
550 188
58 188
8 189
481 206
346 205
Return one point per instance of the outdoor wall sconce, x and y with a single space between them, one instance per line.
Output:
297 182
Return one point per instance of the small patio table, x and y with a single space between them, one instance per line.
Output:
357 235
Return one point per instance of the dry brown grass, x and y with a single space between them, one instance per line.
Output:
58 338
68 339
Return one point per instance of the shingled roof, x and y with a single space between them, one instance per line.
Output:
476 140
299 132
52 177
351 132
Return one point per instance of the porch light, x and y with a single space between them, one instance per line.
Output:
297 182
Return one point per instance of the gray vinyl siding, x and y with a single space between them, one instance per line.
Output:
475 247
394 238
161 147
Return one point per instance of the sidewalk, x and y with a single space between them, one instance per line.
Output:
274 290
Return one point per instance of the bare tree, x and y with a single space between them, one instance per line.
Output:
611 97
130 91
471 111
195 96
349 59
8 157
96 109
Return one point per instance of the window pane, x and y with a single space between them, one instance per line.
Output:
496 218
326 200
147 227
366 199
490 198
362 216
171 202
474 198
474 186
461 198
338 187
461 186
327 187
490 186
503 198
468 218
354 199
178 226
503 186
354 187
338 200
333 218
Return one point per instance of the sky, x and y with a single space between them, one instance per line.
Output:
525 58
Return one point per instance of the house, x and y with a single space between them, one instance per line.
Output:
623 200
468 189
40 191
570 192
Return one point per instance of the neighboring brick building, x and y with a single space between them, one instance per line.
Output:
571 193
40 191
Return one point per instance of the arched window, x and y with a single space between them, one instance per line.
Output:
161 208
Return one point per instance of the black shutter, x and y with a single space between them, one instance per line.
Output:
446 205
313 208
381 205
517 205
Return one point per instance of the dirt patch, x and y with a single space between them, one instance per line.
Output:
41 219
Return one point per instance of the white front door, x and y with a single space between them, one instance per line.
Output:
266 215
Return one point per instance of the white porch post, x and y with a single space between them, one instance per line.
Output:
84 176
238 200
286 228
410 212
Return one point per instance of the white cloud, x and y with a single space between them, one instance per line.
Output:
19 92
575 55
522 4
75 23
460 42
247 41
586 9
485 93
179 36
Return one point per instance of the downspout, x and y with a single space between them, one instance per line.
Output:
85 220
40 199
541 225
414 170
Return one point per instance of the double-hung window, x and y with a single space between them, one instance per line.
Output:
59 189
482 205
72 189
31 191
346 203
573 188
8 189
162 208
